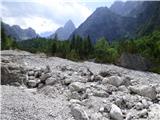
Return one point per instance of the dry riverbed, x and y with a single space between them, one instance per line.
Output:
36 87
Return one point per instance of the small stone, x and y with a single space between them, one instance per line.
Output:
45 76
67 81
32 83
31 73
105 80
129 116
77 86
40 85
47 69
37 74
75 101
96 116
95 78
78 113
139 106
15 84
143 113
101 109
31 77
145 103
158 89
100 93
123 89
50 81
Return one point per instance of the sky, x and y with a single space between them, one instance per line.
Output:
48 15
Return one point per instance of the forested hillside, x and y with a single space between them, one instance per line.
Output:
103 51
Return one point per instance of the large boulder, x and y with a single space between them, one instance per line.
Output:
133 61
154 113
116 112
144 90
12 73
114 80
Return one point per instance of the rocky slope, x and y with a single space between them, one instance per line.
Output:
125 8
40 87
17 33
108 24
128 20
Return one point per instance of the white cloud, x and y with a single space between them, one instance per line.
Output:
43 15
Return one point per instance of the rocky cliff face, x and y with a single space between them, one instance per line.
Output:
61 89
63 33
125 8
128 20
105 23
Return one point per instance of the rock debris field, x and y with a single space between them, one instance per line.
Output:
36 87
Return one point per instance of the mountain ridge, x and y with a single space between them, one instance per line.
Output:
114 26
17 33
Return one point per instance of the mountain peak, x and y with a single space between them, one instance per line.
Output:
63 33
69 23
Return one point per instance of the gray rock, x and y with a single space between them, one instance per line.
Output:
45 77
158 89
143 113
101 109
78 113
144 90
32 83
12 72
105 80
154 112
75 101
31 77
74 95
139 106
68 81
17 84
31 73
134 61
100 93
115 80
37 74
129 116
50 81
96 116
116 112
123 89
77 86
47 69
95 78
104 73
145 103
40 85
